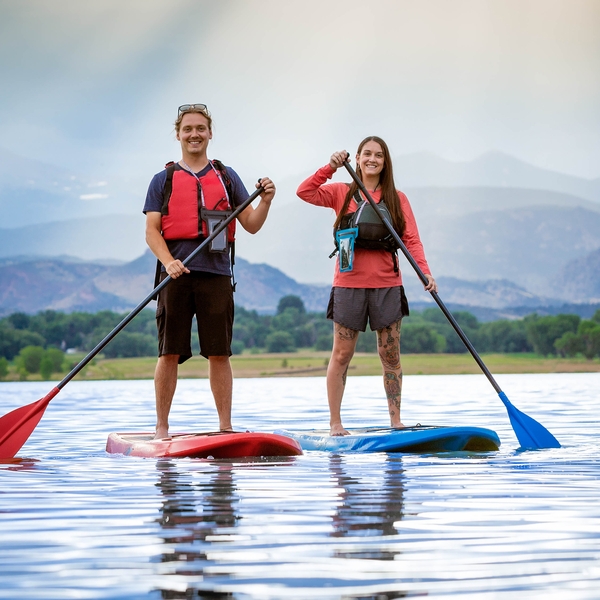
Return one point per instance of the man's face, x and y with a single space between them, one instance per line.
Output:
194 134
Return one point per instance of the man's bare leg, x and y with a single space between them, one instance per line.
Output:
165 382
388 345
344 343
221 384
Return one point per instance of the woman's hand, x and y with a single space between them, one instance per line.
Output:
431 285
338 159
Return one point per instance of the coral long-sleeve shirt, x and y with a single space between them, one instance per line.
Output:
372 268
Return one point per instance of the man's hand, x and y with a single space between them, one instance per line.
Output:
269 188
176 268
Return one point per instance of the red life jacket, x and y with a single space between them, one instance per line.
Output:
184 198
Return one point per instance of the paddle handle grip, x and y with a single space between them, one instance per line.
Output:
423 278
217 230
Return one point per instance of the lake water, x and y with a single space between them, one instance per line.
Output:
78 523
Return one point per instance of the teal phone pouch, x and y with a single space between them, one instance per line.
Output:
345 239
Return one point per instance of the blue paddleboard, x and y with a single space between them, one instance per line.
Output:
418 439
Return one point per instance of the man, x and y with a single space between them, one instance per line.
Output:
176 223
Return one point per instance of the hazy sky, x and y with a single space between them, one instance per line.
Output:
95 84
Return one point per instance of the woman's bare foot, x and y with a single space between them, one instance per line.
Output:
399 426
338 430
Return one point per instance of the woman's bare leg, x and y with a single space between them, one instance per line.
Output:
344 343
388 345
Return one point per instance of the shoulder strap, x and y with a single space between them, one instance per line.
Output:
157 277
224 174
358 198
229 187
168 189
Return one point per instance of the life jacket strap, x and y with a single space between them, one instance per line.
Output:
168 190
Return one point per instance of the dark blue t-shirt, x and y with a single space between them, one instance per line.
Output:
211 262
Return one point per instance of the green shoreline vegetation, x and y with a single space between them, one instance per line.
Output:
296 343
310 363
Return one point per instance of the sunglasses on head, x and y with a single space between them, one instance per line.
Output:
187 107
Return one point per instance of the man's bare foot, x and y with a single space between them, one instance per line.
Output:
399 426
226 430
337 430
162 433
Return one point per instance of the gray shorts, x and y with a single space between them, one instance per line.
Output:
351 307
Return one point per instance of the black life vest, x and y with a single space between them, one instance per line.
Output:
372 231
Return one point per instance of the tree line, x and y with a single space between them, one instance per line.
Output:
40 343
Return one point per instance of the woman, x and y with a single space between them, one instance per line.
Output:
373 289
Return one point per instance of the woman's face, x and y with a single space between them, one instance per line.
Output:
370 160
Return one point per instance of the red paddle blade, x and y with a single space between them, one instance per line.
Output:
18 425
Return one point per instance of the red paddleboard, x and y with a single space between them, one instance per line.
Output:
203 445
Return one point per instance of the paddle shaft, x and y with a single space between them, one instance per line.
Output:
423 278
222 225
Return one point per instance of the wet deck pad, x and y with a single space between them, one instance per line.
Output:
203 445
417 439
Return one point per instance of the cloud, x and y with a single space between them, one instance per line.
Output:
93 196
98 82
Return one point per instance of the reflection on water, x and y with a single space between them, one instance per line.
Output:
76 523
368 506
201 509
191 512
18 464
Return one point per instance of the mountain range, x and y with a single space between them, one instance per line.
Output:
32 284
498 234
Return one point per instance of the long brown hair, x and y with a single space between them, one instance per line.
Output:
389 194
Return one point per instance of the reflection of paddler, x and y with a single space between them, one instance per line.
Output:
369 504
193 510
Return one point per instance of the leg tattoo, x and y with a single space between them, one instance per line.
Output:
393 389
345 333
389 350
344 375
388 340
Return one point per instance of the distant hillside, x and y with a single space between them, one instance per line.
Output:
260 286
34 192
527 246
471 231
50 284
492 169
497 294
441 201
119 237
34 284
524 236
580 278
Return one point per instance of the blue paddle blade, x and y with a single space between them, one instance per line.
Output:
530 433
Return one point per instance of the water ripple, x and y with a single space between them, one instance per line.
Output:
77 523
